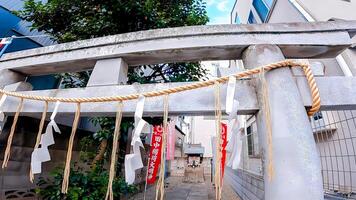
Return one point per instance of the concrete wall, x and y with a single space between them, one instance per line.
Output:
349 56
247 185
178 165
16 176
284 11
203 129
242 9
251 163
321 9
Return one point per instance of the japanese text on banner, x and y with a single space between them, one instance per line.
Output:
223 147
155 154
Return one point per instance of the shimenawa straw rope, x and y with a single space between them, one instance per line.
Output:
287 63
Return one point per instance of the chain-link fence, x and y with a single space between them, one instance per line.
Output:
335 137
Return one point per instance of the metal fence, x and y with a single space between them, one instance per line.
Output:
335 137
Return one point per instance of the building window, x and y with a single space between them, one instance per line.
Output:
318 115
251 18
250 141
262 7
269 3
252 138
237 19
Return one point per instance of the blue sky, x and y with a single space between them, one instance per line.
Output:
219 11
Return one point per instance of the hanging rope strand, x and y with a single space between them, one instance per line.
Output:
267 113
218 181
160 183
65 182
164 142
11 135
110 193
286 63
40 129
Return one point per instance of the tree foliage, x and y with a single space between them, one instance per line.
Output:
71 20
85 185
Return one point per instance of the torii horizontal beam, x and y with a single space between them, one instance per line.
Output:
195 43
336 93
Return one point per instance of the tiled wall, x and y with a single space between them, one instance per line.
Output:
247 185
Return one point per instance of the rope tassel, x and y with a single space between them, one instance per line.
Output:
266 105
65 182
218 180
160 183
110 193
11 135
38 139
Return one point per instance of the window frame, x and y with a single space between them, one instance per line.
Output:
262 12
252 142
251 18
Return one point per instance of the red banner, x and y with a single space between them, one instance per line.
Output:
155 154
223 148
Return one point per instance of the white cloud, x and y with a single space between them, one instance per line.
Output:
224 19
222 5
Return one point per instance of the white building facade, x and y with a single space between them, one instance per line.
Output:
334 131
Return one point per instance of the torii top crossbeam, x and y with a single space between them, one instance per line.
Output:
194 43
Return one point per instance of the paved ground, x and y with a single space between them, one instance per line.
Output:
177 190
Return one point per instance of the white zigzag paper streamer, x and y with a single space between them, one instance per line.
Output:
41 154
134 161
235 143
2 116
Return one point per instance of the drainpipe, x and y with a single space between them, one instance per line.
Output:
340 60
343 65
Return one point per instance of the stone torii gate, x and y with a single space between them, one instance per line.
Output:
296 162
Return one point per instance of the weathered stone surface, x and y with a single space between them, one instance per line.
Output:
291 132
333 92
187 102
336 93
242 183
9 77
109 72
196 43
194 175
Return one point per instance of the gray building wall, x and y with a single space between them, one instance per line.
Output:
248 179
248 185
284 11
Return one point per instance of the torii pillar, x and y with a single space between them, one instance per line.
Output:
297 171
